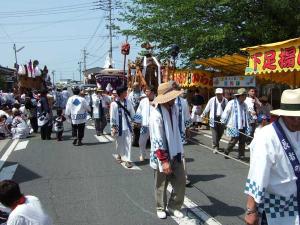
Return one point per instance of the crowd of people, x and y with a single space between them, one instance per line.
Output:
165 116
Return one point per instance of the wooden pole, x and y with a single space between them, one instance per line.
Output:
124 67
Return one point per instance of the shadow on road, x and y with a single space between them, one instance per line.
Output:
93 143
196 178
22 174
189 160
144 163
219 208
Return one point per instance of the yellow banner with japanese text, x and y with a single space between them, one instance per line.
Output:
193 78
275 59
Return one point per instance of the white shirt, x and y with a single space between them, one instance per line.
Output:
210 107
105 101
77 108
271 175
29 213
252 103
114 115
143 112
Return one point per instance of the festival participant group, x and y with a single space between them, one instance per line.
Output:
166 117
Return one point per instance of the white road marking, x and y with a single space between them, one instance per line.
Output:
134 167
90 127
110 138
220 153
3 143
8 152
102 139
21 145
189 204
209 136
8 172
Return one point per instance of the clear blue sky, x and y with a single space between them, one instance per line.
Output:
55 32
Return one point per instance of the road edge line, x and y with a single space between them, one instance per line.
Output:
8 152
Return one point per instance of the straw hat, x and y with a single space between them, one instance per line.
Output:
166 93
289 104
241 91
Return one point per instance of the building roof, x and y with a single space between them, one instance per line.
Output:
7 71
92 70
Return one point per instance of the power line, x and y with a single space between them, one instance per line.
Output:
49 22
93 35
60 37
52 9
46 41
43 14
42 26
101 57
100 46
7 35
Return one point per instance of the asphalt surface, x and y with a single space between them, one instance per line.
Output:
83 185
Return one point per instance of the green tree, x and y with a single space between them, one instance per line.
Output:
207 28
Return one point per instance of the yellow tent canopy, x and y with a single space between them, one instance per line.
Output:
278 62
229 64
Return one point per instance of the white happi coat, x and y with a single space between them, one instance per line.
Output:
186 120
19 129
105 100
134 97
236 116
142 114
77 108
271 180
163 134
114 116
196 112
65 95
210 107
250 102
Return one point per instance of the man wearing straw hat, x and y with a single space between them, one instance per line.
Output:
273 183
100 106
236 117
167 151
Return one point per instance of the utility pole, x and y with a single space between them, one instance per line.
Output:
79 63
108 6
16 51
84 59
110 32
53 72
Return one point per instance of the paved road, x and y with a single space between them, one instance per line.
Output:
85 186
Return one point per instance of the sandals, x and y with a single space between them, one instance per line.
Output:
119 159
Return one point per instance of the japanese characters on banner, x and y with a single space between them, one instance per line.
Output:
193 78
274 59
234 81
